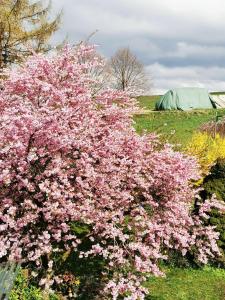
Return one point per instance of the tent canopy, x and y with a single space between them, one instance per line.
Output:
185 99
218 100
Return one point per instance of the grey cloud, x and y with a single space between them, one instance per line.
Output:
166 78
173 34
170 20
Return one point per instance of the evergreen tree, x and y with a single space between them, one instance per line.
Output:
24 24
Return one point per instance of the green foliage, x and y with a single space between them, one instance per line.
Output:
22 291
214 183
87 269
177 260
82 275
80 229
175 126
188 284
25 291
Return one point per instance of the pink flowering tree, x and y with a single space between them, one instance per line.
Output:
77 182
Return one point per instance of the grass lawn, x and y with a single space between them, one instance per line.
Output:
175 126
148 102
188 284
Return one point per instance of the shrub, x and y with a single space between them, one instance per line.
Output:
214 127
214 183
24 291
207 149
78 184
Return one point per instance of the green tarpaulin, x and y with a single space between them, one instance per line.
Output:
185 99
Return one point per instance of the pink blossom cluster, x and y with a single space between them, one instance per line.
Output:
68 156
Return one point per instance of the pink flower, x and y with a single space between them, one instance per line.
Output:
68 159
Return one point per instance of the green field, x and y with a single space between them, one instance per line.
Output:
175 126
188 284
147 102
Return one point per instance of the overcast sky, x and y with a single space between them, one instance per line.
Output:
181 42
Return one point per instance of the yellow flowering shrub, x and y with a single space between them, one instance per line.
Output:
207 149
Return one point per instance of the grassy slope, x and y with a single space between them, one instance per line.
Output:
188 284
148 101
166 122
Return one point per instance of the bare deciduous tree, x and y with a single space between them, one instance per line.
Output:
127 71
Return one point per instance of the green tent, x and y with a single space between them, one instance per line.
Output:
185 99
